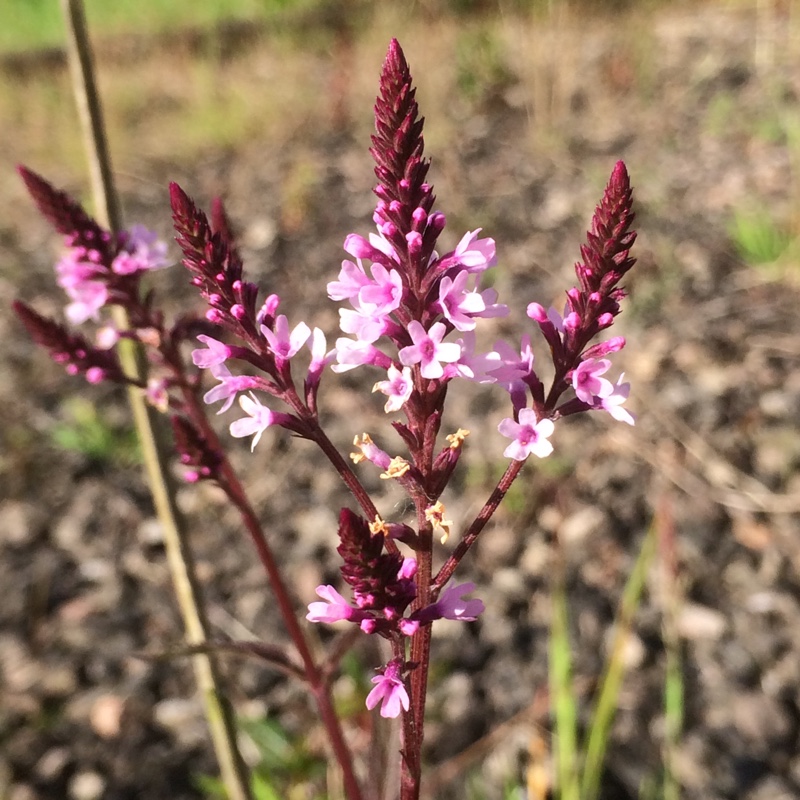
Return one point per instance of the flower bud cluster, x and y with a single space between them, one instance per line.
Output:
383 585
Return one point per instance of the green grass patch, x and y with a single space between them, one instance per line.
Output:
87 431
31 24
758 238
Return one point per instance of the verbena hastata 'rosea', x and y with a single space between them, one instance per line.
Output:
412 317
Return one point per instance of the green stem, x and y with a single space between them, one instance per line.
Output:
155 449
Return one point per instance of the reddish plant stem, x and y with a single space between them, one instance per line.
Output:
318 685
478 524
411 767
320 438
348 476
409 774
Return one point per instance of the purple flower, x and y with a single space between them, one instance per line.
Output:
451 604
334 609
258 420
515 366
529 435
587 382
429 350
397 388
390 691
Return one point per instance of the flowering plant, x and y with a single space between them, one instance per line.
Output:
413 316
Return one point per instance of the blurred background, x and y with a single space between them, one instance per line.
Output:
528 105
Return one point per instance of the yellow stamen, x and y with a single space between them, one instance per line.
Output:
435 515
360 441
457 439
397 468
379 526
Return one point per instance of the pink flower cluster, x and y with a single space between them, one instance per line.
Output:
450 605
390 688
88 279
412 314
383 305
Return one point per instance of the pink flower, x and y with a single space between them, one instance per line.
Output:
457 304
451 604
472 253
320 356
351 278
87 300
76 267
156 394
229 386
106 337
283 343
258 420
215 353
334 609
515 366
529 435
429 350
367 325
390 691
477 367
370 451
587 383
613 402
351 354
384 293
142 251
397 388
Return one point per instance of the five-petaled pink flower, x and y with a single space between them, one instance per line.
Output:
613 402
397 388
216 352
283 343
529 435
587 382
258 420
228 387
390 691
428 349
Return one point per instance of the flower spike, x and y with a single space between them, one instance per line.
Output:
68 217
